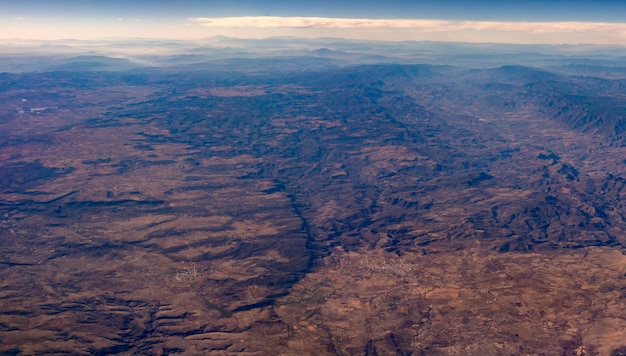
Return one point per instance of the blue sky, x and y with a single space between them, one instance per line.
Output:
502 10
482 20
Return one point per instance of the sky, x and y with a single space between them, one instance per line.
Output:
503 21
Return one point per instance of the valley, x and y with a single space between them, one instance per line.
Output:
365 209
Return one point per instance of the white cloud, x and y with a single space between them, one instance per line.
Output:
416 24
416 29
315 22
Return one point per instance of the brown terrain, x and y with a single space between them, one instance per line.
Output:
375 210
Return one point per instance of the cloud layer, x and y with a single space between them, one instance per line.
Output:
316 27
417 24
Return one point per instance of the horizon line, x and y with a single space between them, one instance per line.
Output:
196 39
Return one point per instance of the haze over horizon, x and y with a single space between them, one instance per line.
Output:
529 22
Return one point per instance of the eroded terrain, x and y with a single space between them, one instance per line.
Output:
365 210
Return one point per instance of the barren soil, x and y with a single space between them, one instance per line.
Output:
192 215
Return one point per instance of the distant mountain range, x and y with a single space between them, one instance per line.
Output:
90 55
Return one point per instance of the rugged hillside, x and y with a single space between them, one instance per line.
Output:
374 209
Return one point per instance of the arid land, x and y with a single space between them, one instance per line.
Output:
369 210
